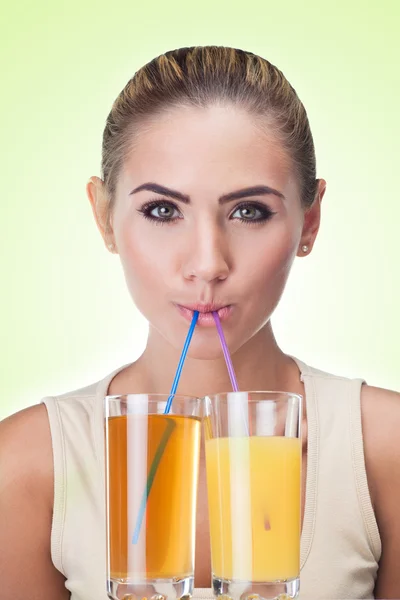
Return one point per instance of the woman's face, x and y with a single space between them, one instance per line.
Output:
207 216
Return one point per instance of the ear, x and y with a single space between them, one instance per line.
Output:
312 219
99 201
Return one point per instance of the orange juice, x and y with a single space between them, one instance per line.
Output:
254 507
165 546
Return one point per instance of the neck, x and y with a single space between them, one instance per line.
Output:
259 365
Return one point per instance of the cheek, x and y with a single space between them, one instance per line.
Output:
267 264
143 256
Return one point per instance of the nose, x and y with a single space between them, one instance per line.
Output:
207 258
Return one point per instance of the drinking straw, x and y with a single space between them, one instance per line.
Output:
225 350
232 376
181 361
150 478
169 429
228 360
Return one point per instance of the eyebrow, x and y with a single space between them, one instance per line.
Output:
258 190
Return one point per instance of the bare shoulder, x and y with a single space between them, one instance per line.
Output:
26 442
373 394
380 402
380 409
26 506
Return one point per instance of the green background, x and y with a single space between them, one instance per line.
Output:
66 317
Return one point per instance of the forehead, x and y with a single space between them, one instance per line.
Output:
218 148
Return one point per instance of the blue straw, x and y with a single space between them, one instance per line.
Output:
150 479
167 433
181 361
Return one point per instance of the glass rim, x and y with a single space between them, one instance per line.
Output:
158 396
155 396
288 395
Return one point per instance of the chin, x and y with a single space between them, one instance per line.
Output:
204 352
202 348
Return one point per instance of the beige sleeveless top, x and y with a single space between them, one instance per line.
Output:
340 543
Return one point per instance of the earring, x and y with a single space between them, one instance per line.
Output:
304 248
110 247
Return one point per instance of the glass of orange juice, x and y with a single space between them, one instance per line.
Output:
253 462
152 462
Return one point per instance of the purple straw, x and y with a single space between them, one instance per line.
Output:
229 364
225 350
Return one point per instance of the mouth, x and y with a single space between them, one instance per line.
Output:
206 317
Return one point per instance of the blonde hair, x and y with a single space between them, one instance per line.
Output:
201 76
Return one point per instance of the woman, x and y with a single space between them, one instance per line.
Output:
208 193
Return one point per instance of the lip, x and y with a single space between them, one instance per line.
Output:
206 318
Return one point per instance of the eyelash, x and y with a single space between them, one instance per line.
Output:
149 206
145 211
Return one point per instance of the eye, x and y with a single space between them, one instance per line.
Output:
252 213
163 212
160 211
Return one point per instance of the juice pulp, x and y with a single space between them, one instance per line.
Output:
254 507
165 546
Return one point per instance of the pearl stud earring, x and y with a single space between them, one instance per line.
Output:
304 248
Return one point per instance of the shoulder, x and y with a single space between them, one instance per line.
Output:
25 449
26 504
374 398
88 391
26 467
316 374
27 437
96 389
380 411
380 414
25 432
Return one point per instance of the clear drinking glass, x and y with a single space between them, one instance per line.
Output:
152 463
253 462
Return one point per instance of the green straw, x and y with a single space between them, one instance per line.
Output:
167 433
